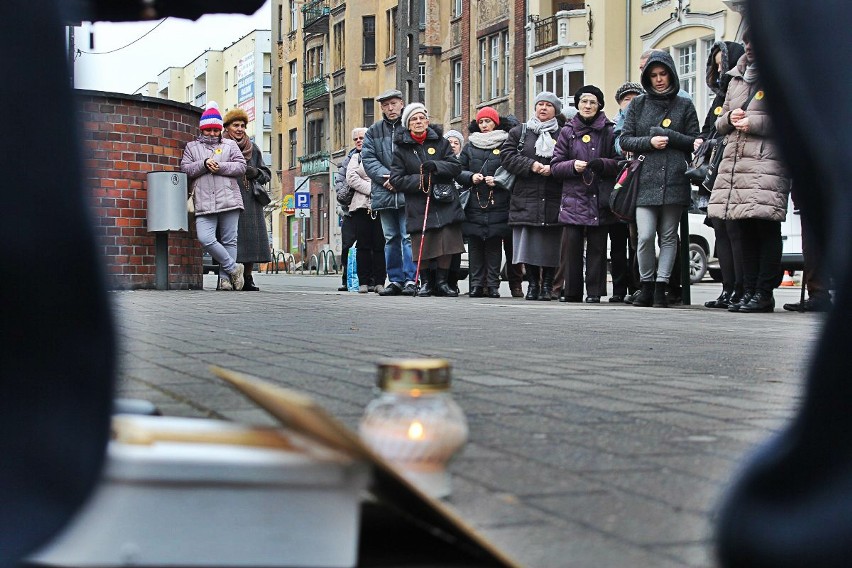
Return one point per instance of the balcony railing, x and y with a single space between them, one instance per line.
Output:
315 88
567 29
267 120
315 163
201 99
313 11
267 80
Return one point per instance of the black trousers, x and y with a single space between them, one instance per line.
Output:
621 278
484 257
729 251
594 239
815 279
371 248
515 272
762 246
347 235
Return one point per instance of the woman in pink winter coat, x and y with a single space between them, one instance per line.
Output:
213 165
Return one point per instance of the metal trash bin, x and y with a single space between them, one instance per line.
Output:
167 201
166 212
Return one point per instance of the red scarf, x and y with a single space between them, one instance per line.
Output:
419 138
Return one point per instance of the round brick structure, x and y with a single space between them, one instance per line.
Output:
124 137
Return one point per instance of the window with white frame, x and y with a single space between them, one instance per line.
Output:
457 8
457 88
495 66
563 81
294 80
314 63
421 87
494 73
294 15
507 72
483 69
686 65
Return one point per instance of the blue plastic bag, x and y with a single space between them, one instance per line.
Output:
352 271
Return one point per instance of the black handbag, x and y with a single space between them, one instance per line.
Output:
503 178
260 194
445 192
622 200
697 170
713 166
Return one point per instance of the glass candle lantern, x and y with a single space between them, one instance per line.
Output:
414 423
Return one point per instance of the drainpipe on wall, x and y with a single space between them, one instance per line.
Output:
627 44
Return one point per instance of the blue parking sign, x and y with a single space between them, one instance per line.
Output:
303 200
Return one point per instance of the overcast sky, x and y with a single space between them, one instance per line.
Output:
175 43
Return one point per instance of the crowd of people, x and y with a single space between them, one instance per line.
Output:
553 219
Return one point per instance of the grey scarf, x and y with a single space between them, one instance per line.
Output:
750 75
544 144
488 140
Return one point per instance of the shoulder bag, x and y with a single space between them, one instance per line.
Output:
719 151
444 192
622 200
260 195
503 178
697 170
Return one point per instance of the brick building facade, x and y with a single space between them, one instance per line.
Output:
124 137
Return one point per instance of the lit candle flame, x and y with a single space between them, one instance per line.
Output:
415 431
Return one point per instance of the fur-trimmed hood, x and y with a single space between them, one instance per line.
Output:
506 123
731 53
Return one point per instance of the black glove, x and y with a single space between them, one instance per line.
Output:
430 167
251 172
659 131
596 165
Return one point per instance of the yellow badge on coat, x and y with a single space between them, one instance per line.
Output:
667 122
758 95
495 151
430 151
586 138
218 150
717 111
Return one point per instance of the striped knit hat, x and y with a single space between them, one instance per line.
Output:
211 118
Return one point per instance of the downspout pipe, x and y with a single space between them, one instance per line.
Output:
627 43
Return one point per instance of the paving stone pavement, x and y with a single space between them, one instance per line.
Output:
600 435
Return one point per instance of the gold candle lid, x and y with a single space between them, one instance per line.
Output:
410 375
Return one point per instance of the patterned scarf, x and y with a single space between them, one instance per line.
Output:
245 144
544 144
488 140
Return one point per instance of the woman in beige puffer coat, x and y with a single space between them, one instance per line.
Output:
752 186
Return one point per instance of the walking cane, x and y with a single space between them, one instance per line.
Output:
428 193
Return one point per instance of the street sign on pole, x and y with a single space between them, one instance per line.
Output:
302 200
303 213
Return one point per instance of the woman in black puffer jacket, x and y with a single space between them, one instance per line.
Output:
487 210
423 157
536 197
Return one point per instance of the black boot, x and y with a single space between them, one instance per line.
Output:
660 295
745 298
762 301
343 287
646 295
453 279
427 279
533 277
547 274
722 302
442 286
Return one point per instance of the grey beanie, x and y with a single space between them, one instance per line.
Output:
628 88
455 134
549 97
411 109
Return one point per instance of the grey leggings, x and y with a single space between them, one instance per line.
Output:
650 221
225 249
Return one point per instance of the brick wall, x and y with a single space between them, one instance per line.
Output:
124 138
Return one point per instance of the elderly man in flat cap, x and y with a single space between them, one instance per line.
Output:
377 156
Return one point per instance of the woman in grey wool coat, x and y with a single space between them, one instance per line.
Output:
253 242
663 127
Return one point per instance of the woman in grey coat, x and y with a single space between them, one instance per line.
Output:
663 127
253 242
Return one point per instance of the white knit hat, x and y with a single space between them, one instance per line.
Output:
411 109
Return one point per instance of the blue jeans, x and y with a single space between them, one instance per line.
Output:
400 265
225 249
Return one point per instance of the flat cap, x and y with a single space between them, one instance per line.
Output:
390 94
